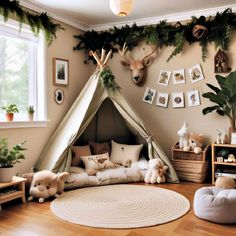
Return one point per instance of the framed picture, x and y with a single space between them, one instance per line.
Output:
233 138
195 73
164 77
59 96
149 95
178 76
162 99
60 71
177 99
193 98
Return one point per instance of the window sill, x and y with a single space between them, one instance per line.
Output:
23 124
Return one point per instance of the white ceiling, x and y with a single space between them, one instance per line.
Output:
97 14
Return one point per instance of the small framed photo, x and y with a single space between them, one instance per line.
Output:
177 99
193 98
60 71
59 96
164 77
162 99
149 95
233 138
178 76
195 73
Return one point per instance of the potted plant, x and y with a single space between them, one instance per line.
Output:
224 97
31 111
8 158
10 110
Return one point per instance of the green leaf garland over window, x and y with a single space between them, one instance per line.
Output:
37 22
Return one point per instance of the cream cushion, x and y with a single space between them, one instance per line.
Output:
79 151
94 163
123 154
216 204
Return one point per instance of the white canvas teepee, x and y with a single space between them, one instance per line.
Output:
57 154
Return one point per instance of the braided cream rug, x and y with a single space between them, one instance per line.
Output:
120 206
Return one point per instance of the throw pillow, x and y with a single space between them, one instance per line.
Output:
94 163
99 148
124 154
79 151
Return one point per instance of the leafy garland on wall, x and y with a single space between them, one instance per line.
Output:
204 30
37 22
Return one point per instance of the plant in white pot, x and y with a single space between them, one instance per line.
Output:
31 112
8 158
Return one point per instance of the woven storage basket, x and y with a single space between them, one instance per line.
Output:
190 166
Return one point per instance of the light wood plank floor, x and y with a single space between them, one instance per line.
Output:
33 219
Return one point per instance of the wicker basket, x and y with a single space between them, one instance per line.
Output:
190 166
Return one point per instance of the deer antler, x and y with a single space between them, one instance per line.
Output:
122 53
152 54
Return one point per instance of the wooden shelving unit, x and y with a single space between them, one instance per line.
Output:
216 147
19 184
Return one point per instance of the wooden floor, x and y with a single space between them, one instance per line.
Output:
32 219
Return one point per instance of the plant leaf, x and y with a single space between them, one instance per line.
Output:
209 109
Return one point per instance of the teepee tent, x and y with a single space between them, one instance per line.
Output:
57 154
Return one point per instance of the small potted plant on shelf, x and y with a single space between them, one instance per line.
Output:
224 98
31 112
8 158
10 110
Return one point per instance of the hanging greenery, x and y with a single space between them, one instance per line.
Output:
108 80
37 22
216 29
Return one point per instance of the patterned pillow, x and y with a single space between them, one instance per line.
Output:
94 163
124 154
99 148
79 151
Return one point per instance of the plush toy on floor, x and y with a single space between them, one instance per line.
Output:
46 184
156 172
225 182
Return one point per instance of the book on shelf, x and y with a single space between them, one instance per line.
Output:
7 190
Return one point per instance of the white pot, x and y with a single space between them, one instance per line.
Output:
31 116
6 174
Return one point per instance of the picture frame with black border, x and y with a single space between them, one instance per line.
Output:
60 71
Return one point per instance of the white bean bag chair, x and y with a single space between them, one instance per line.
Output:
216 204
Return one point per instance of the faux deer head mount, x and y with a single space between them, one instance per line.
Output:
138 68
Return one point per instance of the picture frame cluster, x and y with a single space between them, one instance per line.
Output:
178 98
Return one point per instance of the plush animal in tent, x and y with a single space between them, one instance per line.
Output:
156 172
45 184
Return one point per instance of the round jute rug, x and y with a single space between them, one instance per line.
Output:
120 206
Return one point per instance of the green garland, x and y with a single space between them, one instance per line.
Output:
219 31
108 80
36 22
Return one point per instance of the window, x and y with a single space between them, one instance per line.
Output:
22 78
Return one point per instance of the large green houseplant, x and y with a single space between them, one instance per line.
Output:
8 158
224 97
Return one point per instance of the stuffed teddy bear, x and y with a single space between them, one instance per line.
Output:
196 142
156 172
45 184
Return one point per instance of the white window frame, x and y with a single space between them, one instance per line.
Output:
38 84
